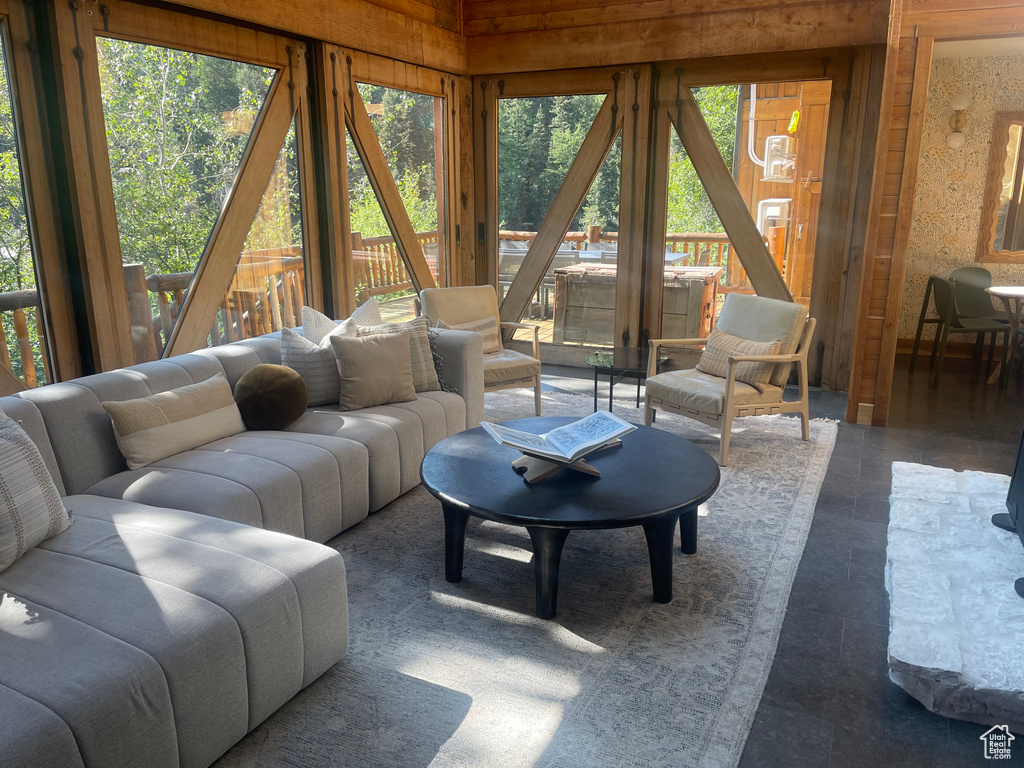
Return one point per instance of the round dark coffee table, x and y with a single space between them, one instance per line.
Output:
653 479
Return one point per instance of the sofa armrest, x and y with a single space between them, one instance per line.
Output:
462 369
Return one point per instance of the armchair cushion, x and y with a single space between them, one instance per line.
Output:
756 318
459 305
721 346
695 390
488 328
508 365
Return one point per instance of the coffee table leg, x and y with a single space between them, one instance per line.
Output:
547 555
454 541
659 535
688 532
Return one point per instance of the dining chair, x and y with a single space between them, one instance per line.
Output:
948 320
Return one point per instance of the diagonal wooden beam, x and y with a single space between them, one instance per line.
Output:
383 182
567 202
714 174
217 267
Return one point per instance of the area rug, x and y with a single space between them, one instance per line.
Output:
465 674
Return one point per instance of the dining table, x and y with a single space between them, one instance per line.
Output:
1012 297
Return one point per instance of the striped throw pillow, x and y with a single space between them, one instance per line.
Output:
488 328
424 375
152 428
714 361
30 507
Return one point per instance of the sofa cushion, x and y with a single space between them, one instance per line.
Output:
424 375
373 370
508 366
30 505
698 391
102 626
314 362
317 573
270 396
151 428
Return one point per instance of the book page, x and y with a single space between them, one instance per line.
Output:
575 439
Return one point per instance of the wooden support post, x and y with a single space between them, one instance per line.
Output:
581 175
725 197
140 312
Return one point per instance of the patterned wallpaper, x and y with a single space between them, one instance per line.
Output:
951 183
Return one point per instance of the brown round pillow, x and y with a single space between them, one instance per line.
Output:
270 396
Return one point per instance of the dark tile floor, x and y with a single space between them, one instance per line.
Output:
828 702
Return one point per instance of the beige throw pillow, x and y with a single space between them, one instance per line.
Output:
374 370
152 428
721 346
30 507
488 328
424 375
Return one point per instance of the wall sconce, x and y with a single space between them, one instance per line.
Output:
958 105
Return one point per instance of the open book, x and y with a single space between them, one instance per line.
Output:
565 444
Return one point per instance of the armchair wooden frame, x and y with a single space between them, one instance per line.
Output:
730 409
533 381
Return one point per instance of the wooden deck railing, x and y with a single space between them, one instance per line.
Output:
25 342
381 271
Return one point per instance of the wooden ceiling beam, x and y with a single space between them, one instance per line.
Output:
765 29
584 169
714 174
356 24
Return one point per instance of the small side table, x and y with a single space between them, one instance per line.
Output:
618 364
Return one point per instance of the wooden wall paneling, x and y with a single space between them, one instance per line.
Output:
216 269
396 34
364 137
564 82
699 34
761 68
865 361
170 29
463 197
656 223
835 222
632 206
485 159
970 19
312 247
584 169
93 215
391 73
52 277
746 240
336 239
904 216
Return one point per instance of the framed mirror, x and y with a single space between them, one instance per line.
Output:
1001 235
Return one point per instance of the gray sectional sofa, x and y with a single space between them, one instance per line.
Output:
190 599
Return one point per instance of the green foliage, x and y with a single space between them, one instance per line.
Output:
538 139
177 125
689 208
404 124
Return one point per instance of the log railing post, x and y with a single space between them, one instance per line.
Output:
28 363
140 312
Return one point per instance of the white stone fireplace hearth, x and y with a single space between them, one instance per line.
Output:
956 626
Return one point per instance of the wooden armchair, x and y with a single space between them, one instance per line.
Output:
718 400
503 368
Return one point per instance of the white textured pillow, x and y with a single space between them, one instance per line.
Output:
714 360
310 354
30 507
152 428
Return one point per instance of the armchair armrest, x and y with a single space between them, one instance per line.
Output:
764 358
656 344
526 327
